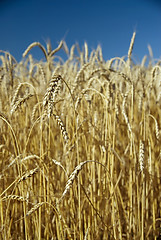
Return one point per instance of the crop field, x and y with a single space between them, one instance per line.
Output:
80 145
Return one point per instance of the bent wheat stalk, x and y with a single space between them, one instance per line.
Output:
34 44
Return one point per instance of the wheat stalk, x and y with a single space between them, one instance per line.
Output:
56 49
124 112
110 62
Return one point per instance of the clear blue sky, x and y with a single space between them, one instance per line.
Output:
108 23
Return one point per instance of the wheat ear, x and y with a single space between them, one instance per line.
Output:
35 108
35 207
62 128
59 164
141 155
124 112
41 71
28 174
71 54
73 175
14 99
15 197
51 93
19 102
131 47
157 134
21 159
80 71
86 52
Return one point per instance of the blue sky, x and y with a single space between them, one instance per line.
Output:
108 23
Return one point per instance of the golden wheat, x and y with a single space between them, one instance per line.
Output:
104 182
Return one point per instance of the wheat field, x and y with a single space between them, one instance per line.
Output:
80 145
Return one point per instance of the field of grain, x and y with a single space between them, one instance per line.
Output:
80 145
